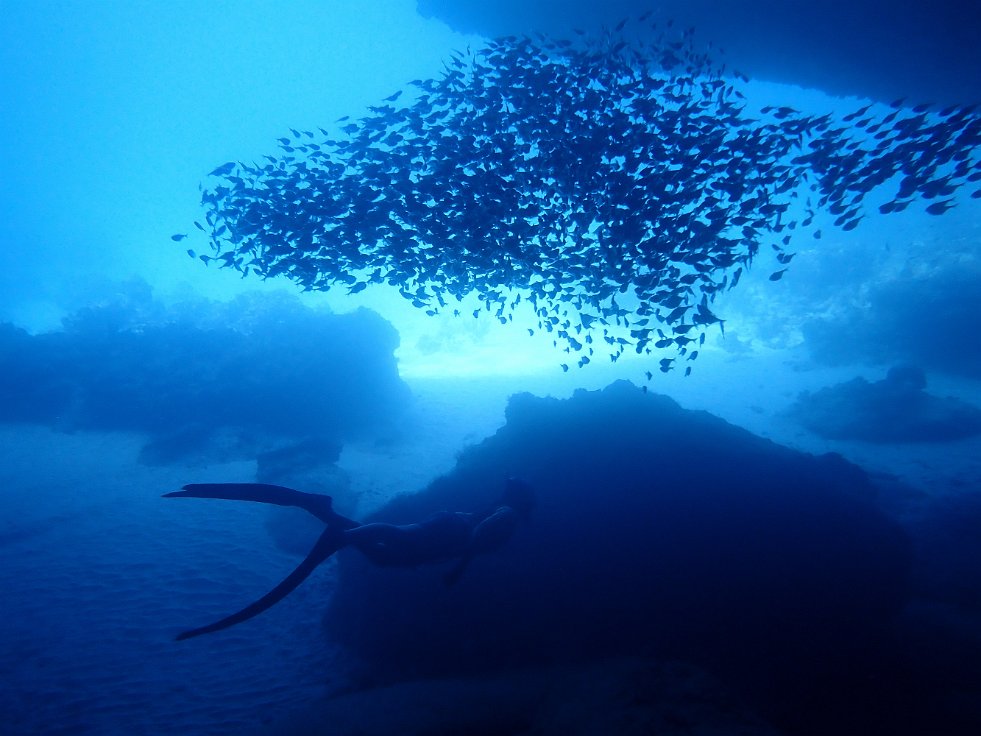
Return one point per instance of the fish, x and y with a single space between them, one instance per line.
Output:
222 170
572 173
938 208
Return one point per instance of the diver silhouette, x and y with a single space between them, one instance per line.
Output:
442 537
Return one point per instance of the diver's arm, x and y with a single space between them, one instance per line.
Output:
319 506
328 543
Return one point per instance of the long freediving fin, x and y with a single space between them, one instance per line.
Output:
319 506
328 543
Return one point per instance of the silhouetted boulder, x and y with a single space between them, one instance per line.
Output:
221 381
657 532
895 409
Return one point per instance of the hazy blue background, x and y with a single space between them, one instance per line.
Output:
115 111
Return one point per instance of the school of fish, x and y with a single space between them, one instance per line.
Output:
613 185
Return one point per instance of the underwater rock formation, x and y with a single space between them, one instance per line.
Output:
622 696
895 409
206 380
657 532
871 48
925 316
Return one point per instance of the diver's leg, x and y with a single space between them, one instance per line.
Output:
319 506
377 532
329 542
383 544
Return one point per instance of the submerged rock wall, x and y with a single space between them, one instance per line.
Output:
657 532
874 48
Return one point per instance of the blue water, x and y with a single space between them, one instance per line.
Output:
790 548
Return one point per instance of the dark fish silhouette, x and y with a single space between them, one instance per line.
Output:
571 173
223 169
938 208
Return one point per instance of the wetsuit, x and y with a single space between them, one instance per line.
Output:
442 537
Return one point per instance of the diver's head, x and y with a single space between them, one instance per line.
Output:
519 495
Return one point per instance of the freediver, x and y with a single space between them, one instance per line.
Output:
444 536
